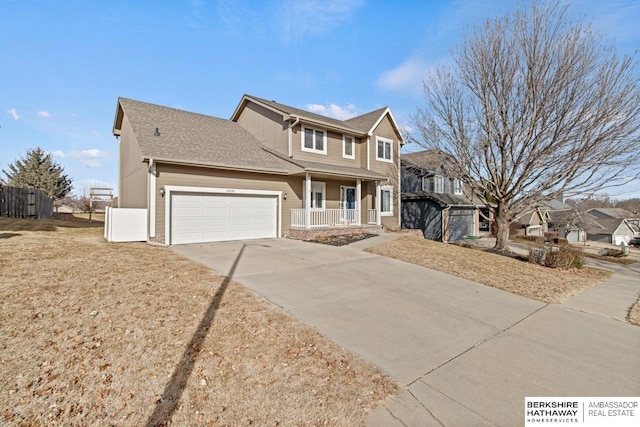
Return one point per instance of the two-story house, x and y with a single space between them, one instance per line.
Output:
435 201
270 171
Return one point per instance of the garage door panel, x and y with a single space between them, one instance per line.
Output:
219 217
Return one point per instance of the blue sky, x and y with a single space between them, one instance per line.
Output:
65 63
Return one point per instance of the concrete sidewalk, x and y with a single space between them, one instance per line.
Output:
465 353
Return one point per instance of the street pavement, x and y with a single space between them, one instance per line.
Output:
464 354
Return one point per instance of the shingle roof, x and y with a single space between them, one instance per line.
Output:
430 160
604 226
306 114
612 213
365 122
358 125
309 166
194 138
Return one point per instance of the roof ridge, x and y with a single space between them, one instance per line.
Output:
172 108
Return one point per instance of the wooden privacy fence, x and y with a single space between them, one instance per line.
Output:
24 203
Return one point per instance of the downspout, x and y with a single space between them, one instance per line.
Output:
399 189
290 134
368 152
151 188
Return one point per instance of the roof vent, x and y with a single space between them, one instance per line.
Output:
157 132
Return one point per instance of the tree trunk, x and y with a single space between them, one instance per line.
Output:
502 233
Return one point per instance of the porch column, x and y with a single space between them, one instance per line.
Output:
378 203
358 197
307 201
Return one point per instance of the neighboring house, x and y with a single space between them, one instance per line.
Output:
532 223
568 223
613 225
270 171
564 220
633 220
610 230
434 201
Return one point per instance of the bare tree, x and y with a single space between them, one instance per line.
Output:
535 105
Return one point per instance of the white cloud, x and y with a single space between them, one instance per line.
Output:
406 77
333 110
12 112
44 114
91 158
93 153
91 163
314 17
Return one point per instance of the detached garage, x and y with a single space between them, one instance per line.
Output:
198 215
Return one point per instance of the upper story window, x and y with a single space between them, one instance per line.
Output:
438 184
348 148
314 140
384 152
456 186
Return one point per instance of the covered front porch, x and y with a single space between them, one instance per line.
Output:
337 204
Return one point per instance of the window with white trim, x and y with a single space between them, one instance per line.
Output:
438 184
384 151
314 140
456 186
348 147
386 200
318 195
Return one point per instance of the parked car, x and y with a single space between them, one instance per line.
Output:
635 242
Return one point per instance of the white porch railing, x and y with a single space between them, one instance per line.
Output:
326 218
373 217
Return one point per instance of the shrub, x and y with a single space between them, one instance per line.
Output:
564 257
562 241
614 253
551 236
536 239
536 255
557 256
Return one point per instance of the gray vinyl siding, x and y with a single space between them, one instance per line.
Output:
174 175
266 126
423 215
334 148
384 130
132 192
215 178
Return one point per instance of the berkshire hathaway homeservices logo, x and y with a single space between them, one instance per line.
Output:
582 411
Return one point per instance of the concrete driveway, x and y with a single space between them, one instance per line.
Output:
466 354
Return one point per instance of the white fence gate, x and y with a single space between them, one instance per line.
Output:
125 225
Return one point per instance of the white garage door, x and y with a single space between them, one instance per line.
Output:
199 217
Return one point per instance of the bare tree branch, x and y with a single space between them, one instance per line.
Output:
535 106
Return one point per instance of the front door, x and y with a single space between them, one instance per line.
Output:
348 203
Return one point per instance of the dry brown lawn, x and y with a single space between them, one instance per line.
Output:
97 333
509 274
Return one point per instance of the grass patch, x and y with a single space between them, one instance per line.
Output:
92 333
502 272
625 260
